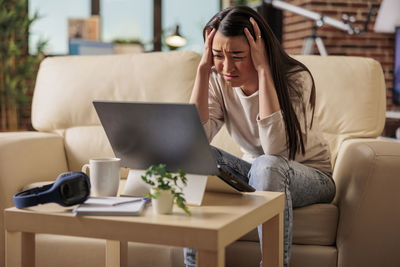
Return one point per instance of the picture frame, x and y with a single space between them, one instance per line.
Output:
84 28
396 70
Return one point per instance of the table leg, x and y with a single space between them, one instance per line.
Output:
272 242
207 258
116 253
20 249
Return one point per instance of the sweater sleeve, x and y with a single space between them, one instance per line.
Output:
215 108
272 128
273 134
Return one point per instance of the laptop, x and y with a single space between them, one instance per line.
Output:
143 134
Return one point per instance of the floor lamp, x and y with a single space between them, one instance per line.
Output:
388 16
320 20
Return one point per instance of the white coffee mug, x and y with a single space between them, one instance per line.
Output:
104 176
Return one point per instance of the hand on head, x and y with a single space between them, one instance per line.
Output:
207 58
257 47
236 24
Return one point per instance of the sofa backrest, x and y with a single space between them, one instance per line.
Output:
66 87
350 95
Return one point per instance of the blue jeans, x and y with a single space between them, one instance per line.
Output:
302 186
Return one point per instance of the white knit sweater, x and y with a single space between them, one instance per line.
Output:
256 137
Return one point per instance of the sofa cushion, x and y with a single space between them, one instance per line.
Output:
301 255
361 80
312 225
315 224
85 142
225 142
313 256
66 86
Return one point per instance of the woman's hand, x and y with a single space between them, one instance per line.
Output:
200 88
269 102
206 61
257 48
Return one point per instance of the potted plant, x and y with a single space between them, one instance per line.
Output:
17 67
166 188
123 46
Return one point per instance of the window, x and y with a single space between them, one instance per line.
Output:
53 24
120 19
127 20
191 16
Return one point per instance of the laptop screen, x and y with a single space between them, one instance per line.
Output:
143 134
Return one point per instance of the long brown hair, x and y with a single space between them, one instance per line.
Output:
231 22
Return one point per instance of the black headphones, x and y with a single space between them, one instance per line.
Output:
69 189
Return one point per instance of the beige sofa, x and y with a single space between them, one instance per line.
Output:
360 227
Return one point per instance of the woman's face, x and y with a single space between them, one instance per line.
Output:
232 60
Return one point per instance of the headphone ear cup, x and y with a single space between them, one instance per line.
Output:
82 173
64 174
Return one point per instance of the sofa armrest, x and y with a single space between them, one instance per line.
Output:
367 176
27 157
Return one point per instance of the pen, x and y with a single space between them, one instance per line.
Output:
130 201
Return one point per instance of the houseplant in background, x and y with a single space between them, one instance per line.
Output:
124 46
166 188
17 67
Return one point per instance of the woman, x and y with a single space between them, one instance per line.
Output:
266 99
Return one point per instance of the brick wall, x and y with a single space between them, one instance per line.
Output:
370 44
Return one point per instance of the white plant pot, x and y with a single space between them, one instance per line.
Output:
163 204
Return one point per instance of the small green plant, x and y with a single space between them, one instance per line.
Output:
128 41
160 179
18 68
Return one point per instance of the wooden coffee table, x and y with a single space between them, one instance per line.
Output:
222 219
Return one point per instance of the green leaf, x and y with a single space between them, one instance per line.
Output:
17 68
154 196
160 179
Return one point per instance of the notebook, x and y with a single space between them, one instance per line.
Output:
111 206
143 134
